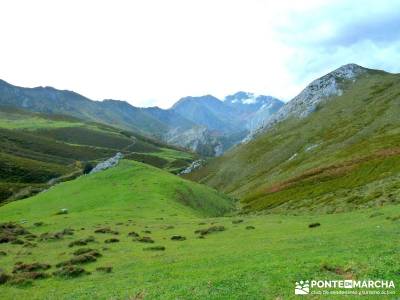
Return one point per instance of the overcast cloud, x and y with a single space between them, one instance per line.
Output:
364 32
153 52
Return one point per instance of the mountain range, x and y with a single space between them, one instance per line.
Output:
312 192
204 124
333 147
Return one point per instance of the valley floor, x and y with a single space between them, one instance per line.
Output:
255 257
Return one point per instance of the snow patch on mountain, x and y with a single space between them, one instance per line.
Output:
252 98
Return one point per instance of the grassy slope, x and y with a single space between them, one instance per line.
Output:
36 148
131 189
343 156
262 263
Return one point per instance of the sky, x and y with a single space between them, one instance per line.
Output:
153 52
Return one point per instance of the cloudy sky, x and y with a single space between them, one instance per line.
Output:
153 52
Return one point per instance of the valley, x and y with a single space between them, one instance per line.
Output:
200 150
38 148
205 124
311 193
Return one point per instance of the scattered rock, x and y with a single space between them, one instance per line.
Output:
48 236
112 240
395 218
30 237
313 225
68 231
9 232
70 271
21 267
3 277
22 278
82 242
89 251
237 221
144 239
210 230
17 242
104 269
106 230
78 260
178 238
134 234
30 245
376 214
20 281
62 211
154 248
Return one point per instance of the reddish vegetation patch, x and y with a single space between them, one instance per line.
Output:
335 170
279 187
388 152
347 273
317 173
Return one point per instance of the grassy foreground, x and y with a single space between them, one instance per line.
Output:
240 262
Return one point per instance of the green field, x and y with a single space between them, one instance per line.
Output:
237 263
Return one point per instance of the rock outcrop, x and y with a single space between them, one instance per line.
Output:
315 93
195 165
109 163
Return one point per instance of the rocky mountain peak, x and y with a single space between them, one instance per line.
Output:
349 71
316 92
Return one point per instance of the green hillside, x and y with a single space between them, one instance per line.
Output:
242 261
35 148
131 189
345 155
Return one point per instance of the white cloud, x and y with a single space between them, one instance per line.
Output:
155 51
